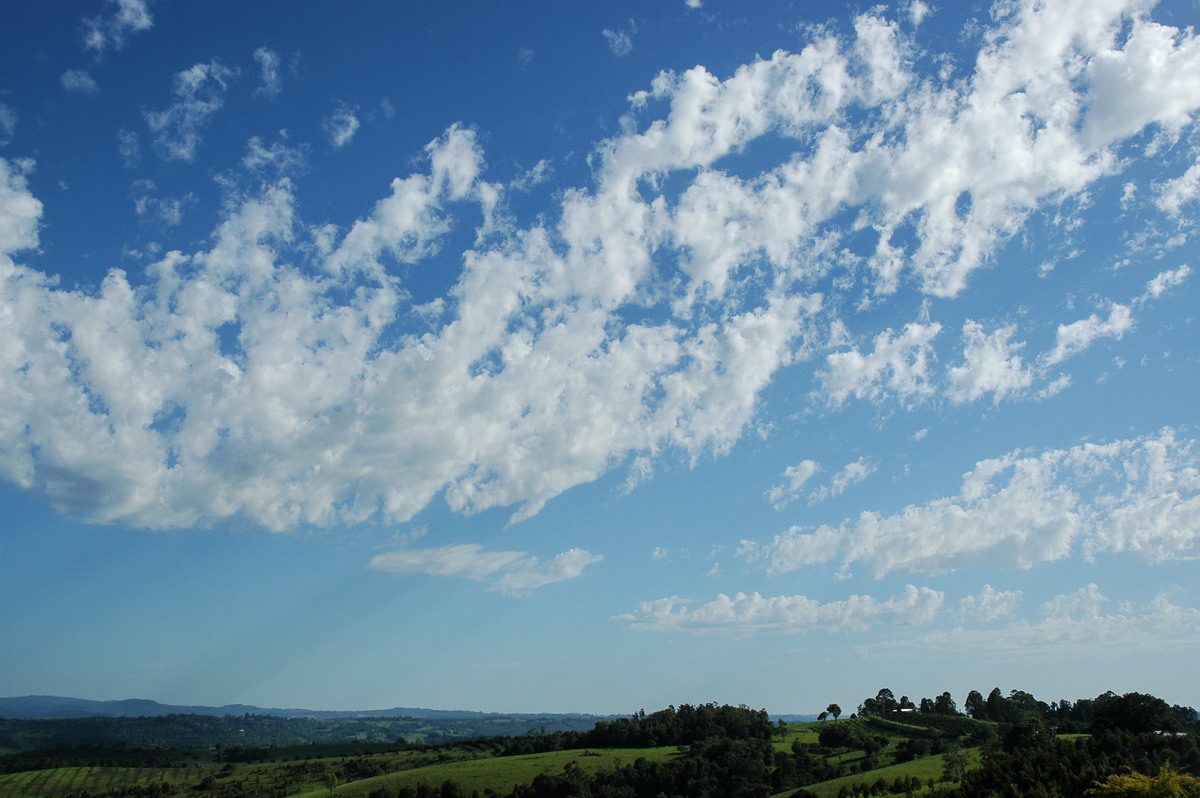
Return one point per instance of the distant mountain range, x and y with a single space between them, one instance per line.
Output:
52 706
36 707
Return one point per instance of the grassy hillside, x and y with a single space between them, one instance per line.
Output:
706 751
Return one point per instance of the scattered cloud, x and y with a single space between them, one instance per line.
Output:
850 475
108 31
917 12
199 92
8 124
20 211
989 605
898 366
1077 336
1140 495
159 210
274 160
749 613
272 81
532 574
281 374
341 127
80 82
782 495
991 365
129 146
620 42
1174 194
540 173
517 574
1164 282
469 560
1071 625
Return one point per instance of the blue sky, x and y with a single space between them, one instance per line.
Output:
595 357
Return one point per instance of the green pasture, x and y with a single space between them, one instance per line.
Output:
57 782
924 769
500 774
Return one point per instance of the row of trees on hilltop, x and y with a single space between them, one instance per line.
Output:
685 725
1135 712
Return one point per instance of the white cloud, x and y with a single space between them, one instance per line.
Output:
781 495
129 146
108 32
989 605
619 42
274 160
8 124
280 374
1140 495
517 573
1151 80
1175 193
470 560
1164 282
898 365
748 613
20 211
991 364
159 210
268 62
341 127
1072 625
917 12
199 93
531 574
1073 338
79 81
850 475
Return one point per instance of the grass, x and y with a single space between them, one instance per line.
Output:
57 782
924 769
470 768
500 774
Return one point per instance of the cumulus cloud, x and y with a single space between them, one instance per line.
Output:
199 92
899 365
989 605
79 81
531 574
1079 335
283 373
991 365
746 613
851 474
1175 193
1070 625
8 124
108 31
341 127
268 62
783 494
517 573
1164 282
619 42
149 207
1140 495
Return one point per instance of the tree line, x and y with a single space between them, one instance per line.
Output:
1137 712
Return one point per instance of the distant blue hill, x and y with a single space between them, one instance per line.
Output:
51 706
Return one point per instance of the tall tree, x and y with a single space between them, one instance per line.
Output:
835 710
974 705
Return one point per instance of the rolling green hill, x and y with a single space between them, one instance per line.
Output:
707 750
